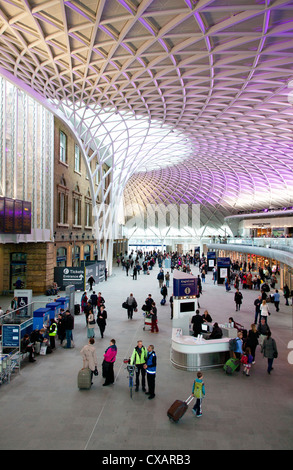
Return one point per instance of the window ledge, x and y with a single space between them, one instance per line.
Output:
62 225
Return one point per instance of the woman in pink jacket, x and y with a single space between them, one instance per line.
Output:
108 363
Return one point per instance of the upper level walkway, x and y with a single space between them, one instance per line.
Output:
280 249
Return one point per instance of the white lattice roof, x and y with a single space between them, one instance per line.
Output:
218 72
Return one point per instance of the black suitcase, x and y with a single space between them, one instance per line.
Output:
76 309
178 409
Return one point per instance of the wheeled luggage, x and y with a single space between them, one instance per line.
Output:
84 379
163 301
231 365
76 309
178 409
147 320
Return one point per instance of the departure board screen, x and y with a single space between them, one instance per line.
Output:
15 216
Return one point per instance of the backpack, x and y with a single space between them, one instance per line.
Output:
244 359
233 344
198 389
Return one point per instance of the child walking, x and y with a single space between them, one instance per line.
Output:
198 391
246 360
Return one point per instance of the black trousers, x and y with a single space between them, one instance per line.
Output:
102 327
130 312
151 384
108 372
52 341
140 370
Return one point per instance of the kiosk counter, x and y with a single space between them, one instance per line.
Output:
193 354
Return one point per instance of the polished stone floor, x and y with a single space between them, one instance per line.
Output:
42 408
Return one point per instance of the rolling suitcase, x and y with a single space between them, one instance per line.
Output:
231 365
84 379
76 309
178 409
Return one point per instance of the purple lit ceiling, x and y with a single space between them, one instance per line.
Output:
218 71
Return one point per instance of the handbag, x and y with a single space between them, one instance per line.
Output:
96 372
92 322
105 368
125 305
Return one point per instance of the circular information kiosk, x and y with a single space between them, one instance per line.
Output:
187 352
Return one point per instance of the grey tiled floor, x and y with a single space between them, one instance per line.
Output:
42 407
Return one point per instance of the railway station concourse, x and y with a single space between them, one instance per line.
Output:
138 127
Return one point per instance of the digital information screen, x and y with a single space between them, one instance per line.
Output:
15 216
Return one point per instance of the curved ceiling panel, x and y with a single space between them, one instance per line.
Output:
219 72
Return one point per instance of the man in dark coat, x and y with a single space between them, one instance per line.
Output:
197 321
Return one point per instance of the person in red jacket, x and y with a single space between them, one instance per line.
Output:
108 363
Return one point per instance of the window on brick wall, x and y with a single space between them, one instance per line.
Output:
77 158
63 147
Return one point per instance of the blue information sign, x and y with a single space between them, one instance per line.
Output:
10 336
184 284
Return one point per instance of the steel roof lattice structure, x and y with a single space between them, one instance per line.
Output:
190 100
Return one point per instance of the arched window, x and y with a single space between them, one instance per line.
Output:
88 210
61 256
77 206
62 191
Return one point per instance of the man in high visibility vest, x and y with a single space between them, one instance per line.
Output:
138 358
52 332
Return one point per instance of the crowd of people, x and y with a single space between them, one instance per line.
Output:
93 307
241 278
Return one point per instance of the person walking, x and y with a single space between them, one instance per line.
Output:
91 325
94 300
263 330
100 301
167 278
91 281
89 356
198 391
69 326
269 350
239 347
286 293
84 300
164 293
88 308
160 278
150 367
134 275
264 310
238 299
138 358
171 306
154 317
252 340
101 320
246 360
131 306
257 304
108 363
276 297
